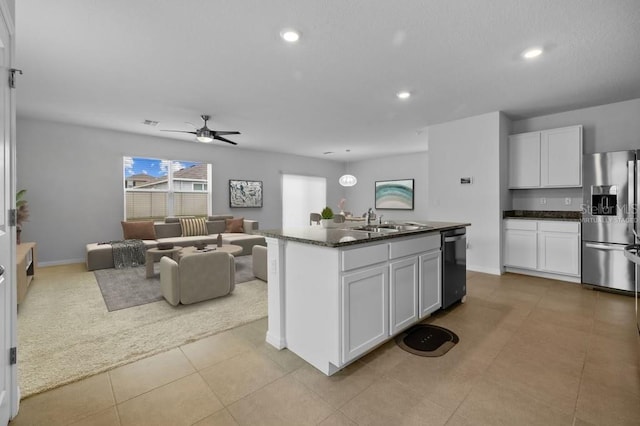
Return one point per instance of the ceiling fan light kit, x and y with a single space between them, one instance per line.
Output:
205 134
203 138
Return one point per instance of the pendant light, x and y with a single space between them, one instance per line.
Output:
347 179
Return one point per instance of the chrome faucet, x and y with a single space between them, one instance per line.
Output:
368 215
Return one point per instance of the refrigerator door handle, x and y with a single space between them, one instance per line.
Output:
604 247
634 206
631 188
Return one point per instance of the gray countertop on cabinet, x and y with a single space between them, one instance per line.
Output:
575 216
346 235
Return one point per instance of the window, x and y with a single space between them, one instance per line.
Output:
199 187
155 188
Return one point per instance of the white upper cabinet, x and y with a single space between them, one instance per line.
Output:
561 150
546 159
524 160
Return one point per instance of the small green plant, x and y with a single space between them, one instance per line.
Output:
22 208
327 213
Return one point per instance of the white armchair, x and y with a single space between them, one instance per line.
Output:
197 277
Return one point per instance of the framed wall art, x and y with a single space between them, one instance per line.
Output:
245 193
394 194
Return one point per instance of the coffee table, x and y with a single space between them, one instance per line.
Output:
227 248
152 255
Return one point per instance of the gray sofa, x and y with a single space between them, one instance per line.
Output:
100 256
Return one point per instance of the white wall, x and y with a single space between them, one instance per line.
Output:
471 147
407 166
59 164
530 199
611 127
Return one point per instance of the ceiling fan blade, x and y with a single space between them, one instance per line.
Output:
220 138
179 131
219 132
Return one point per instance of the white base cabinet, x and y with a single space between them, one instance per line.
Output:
550 248
430 282
365 307
404 287
330 306
521 243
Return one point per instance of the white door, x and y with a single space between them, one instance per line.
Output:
403 285
559 252
521 249
8 376
561 157
365 311
524 160
430 282
302 195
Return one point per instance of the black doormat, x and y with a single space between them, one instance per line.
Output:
427 340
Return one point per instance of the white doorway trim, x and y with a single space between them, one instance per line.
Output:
9 392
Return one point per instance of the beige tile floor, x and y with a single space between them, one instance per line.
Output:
532 352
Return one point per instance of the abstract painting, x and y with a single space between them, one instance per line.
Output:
245 193
394 194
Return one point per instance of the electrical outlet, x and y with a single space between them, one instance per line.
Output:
543 200
567 201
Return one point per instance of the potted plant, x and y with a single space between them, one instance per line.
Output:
22 212
327 217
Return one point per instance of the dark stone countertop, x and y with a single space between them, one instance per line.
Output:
347 236
575 216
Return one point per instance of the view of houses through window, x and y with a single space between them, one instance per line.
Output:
155 188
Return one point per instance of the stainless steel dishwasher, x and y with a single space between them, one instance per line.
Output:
454 266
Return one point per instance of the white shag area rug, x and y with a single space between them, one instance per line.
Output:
65 332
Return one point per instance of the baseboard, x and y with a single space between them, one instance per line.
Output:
543 275
60 262
276 342
483 269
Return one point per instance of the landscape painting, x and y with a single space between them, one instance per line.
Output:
394 194
245 193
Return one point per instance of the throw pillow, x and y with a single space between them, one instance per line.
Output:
234 225
193 227
138 230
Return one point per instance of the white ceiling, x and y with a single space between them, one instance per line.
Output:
114 63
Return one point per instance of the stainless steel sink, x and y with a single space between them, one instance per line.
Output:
393 227
376 228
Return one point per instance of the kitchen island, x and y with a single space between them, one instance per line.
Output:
336 294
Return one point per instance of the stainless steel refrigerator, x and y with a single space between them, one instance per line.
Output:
610 192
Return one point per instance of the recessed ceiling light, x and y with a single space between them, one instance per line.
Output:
403 95
290 36
531 53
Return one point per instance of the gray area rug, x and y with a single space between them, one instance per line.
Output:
124 288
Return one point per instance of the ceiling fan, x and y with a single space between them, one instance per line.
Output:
205 134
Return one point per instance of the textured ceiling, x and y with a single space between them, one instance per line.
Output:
114 63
